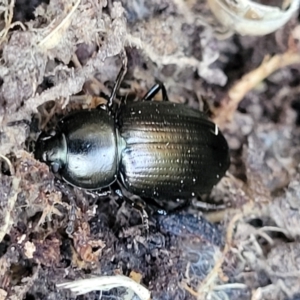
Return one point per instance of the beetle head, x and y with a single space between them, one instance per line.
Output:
51 149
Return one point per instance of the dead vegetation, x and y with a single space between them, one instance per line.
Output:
67 57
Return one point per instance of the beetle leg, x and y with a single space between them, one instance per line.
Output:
117 83
154 90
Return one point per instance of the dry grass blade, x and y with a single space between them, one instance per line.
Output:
102 283
53 38
248 17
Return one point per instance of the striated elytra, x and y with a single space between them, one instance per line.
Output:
159 150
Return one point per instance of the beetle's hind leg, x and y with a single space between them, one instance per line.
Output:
154 90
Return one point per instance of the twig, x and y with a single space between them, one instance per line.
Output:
249 81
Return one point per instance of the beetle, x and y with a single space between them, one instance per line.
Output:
162 151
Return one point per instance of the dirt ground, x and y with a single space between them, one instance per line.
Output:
239 242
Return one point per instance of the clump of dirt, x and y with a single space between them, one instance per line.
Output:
59 56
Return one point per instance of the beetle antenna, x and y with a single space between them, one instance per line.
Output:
118 81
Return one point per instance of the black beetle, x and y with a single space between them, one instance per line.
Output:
158 150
